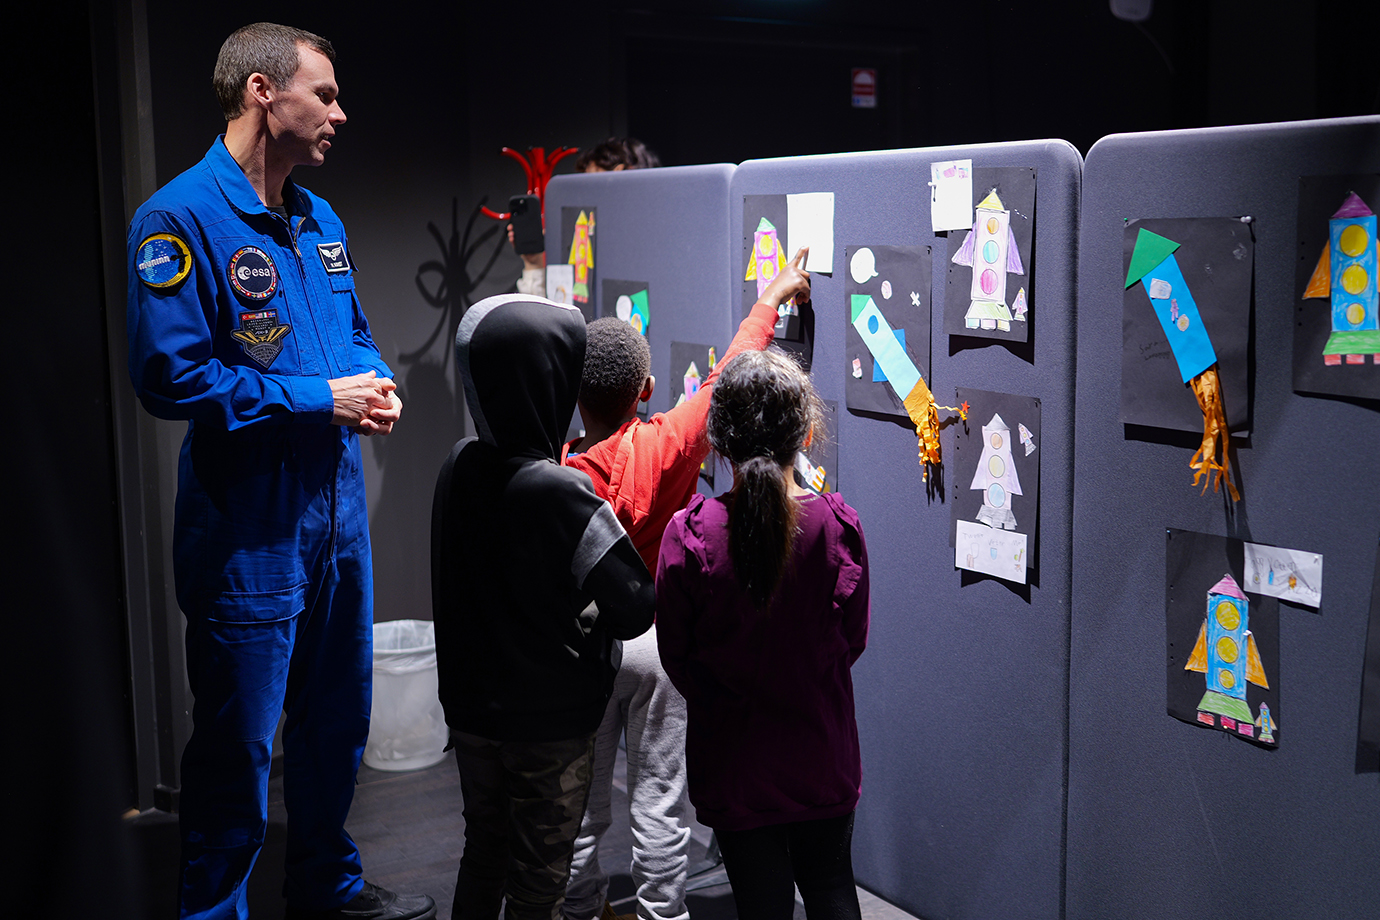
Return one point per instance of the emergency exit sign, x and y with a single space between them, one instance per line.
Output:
864 87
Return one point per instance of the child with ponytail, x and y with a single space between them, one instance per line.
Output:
762 608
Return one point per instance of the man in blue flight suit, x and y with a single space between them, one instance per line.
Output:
243 320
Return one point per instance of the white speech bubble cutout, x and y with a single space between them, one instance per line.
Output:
624 307
863 265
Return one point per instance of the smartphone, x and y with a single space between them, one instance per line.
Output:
528 238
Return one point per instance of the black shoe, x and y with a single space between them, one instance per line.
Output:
372 903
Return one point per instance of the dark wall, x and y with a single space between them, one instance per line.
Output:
65 672
737 80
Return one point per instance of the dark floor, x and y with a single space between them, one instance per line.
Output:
410 833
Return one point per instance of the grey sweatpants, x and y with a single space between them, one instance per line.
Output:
653 713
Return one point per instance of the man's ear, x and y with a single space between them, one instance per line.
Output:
258 90
647 389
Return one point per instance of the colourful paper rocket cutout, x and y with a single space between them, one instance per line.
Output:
582 256
887 352
1027 439
1266 724
996 476
1153 264
900 372
1227 655
692 380
990 250
767 256
1346 275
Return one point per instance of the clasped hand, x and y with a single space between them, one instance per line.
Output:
366 403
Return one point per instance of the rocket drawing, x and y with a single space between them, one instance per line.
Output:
1154 265
582 256
990 250
768 258
1346 275
996 476
1226 654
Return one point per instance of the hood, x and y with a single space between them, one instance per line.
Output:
520 360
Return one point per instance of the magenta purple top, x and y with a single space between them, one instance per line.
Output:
771 735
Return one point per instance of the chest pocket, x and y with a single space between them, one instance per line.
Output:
342 287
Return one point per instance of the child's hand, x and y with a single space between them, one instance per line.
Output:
793 281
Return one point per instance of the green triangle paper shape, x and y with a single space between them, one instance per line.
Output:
859 304
1151 249
768 225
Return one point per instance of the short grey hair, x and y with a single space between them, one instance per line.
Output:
266 48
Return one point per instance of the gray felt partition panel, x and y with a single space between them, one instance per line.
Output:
1167 819
961 694
670 228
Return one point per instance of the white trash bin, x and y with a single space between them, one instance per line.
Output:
407 727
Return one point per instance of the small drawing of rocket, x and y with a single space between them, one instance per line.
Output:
1226 654
990 250
1346 275
768 258
582 256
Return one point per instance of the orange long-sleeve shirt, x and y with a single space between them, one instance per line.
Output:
648 470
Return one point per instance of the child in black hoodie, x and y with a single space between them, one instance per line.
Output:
533 580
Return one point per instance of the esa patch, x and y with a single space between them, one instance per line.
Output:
333 257
261 335
163 261
252 274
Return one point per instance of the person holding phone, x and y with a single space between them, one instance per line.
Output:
613 155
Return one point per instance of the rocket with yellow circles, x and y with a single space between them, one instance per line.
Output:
582 256
768 258
1227 656
1346 275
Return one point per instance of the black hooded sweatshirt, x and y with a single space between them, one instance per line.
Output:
521 545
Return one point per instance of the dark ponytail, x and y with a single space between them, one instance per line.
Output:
761 527
762 411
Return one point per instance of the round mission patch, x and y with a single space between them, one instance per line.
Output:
163 260
252 274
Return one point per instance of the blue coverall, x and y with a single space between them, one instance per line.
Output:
271 541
